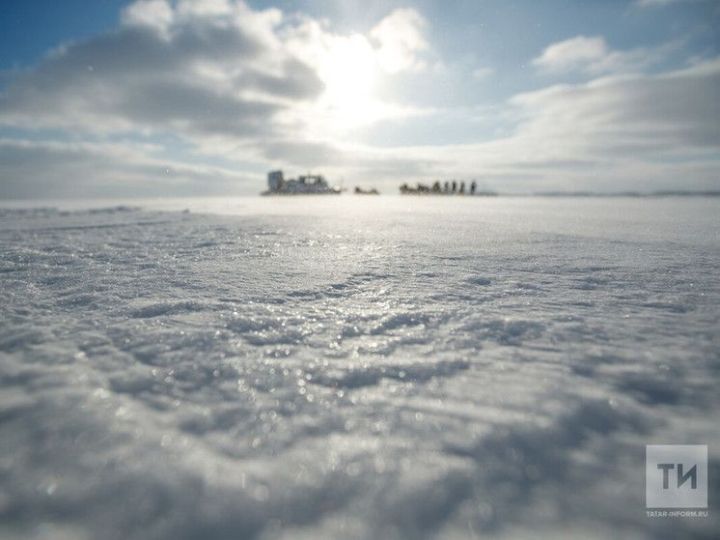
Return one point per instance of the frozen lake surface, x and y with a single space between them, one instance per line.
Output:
354 367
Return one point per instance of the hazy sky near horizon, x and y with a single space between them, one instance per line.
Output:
159 97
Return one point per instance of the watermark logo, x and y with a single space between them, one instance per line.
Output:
676 476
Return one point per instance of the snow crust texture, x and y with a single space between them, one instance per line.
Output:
355 369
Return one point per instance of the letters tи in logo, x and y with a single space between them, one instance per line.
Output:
676 476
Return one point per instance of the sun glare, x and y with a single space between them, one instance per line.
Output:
349 72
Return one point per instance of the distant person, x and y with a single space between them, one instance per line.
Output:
454 186
462 187
436 187
473 187
446 187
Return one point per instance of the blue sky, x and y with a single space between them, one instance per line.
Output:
111 98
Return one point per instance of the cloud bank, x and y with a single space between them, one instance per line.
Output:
616 133
593 56
199 69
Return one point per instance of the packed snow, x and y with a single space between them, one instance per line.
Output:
354 367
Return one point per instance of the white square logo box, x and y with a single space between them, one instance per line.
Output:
676 476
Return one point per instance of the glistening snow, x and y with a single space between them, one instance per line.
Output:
355 368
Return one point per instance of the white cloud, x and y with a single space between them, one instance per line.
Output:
204 8
592 55
153 13
571 53
400 40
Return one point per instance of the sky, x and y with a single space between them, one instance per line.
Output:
113 98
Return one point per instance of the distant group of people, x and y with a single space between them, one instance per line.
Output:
448 187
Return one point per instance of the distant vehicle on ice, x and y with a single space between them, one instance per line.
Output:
304 185
361 191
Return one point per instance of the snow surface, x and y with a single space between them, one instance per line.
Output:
354 367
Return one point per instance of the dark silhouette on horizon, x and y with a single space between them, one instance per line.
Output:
361 191
311 184
446 187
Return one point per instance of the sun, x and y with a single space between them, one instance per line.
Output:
349 71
